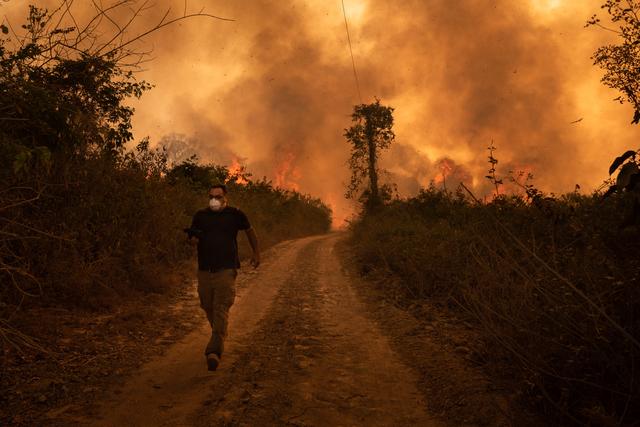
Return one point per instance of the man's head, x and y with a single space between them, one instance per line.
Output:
217 197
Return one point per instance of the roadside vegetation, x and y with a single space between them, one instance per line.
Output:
85 221
551 283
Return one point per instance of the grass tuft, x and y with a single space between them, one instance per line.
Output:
552 283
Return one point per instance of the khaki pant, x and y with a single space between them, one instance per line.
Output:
217 292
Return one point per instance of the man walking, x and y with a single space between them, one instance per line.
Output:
215 230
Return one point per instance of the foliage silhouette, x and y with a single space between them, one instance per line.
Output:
563 355
370 133
83 220
621 62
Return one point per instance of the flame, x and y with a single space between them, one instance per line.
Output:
237 171
445 166
287 174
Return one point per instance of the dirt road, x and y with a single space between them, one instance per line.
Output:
301 351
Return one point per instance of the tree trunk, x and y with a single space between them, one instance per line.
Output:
374 197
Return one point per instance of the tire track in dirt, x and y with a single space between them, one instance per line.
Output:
302 351
174 385
316 359
438 345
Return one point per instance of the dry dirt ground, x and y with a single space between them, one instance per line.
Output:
310 345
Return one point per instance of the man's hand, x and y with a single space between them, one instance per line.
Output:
255 260
253 241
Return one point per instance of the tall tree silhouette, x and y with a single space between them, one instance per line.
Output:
370 133
621 62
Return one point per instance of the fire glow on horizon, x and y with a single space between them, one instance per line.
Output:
275 88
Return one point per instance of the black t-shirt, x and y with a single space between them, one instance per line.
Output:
217 232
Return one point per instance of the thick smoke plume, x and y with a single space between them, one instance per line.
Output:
274 90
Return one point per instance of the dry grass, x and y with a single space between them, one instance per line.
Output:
104 229
552 284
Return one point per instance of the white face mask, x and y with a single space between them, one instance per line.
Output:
215 204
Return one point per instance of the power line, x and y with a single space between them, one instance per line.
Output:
353 62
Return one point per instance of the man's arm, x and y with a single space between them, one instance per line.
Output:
192 237
253 241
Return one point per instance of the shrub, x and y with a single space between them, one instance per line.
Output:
552 281
83 220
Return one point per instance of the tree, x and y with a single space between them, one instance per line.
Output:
370 133
66 80
64 126
621 62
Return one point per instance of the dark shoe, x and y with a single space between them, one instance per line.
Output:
213 361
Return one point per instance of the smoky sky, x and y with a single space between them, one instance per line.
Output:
275 89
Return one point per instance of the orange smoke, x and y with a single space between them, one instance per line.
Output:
459 74
339 214
287 175
445 167
522 174
449 174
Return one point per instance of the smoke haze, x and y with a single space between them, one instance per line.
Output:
274 89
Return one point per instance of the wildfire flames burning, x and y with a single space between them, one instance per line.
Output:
287 174
445 166
459 74
237 172
449 174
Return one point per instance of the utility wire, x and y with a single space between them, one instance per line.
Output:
353 62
